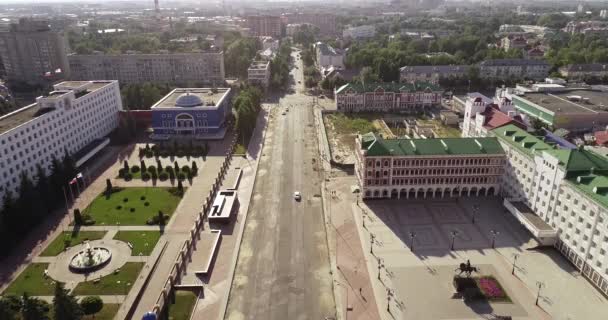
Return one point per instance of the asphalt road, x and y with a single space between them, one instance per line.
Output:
283 266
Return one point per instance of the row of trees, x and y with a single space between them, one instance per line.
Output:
305 35
143 96
247 106
65 306
238 55
279 67
38 197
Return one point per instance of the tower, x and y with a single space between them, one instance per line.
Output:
157 9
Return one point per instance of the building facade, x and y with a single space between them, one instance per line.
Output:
586 70
513 42
199 113
508 69
258 73
326 22
428 168
360 32
432 74
482 115
385 97
175 68
564 193
32 52
327 56
264 26
69 118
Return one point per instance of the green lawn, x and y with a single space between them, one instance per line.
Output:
114 284
240 149
32 281
70 239
182 308
143 241
108 312
134 211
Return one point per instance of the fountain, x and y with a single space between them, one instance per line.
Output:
90 259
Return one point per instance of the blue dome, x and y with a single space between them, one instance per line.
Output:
188 100
149 316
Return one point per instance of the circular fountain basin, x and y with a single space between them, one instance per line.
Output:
90 259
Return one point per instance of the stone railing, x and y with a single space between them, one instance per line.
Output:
179 265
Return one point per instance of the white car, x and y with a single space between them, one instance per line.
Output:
297 196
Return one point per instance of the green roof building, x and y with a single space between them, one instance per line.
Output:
421 168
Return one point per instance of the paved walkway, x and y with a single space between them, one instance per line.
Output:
353 284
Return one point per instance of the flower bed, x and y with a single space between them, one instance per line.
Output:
491 289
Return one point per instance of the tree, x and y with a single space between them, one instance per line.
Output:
194 167
33 309
176 166
142 164
69 166
180 186
78 217
9 307
367 75
108 187
65 305
126 166
91 304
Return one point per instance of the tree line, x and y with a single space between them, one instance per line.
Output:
279 67
143 96
37 198
65 306
247 105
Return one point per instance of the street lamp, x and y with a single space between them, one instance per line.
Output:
380 265
371 245
412 236
494 234
540 285
515 256
389 294
454 233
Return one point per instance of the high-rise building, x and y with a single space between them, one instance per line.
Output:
32 52
264 25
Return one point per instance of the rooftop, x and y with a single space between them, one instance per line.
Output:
389 86
439 69
377 146
259 65
570 101
521 139
192 97
530 216
25 114
512 62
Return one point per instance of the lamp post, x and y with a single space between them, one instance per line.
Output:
515 256
494 234
540 285
380 265
454 233
371 245
412 236
389 294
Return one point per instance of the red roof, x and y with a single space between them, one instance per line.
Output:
601 137
496 118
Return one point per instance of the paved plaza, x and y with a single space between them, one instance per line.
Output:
420 281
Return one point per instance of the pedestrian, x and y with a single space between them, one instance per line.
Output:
360 291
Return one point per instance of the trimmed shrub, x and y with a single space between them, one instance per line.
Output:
121 172
163 176
128 177
146 203
142 198
91 304
132 209
151 169
181 176
154 175
145 176
118 207
125 200
185 169
134 169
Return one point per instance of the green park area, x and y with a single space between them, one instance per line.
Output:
182 308
133 206
143 242
353 123
32 281
70 239
442 130
117 283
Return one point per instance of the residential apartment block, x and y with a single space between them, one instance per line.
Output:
327 56
69 118
428 168
506 69
326 22
582 71
264 25
387 97
173 68
513 42
432 74
360 32
258 73
32 52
